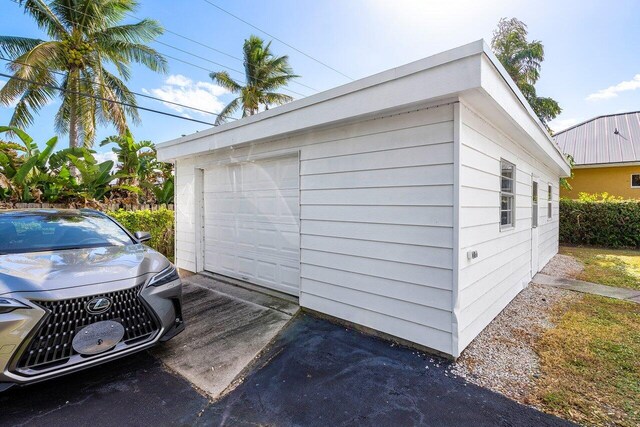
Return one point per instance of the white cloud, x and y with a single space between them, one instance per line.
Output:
612 91
178 80
107 155
561 124
183 90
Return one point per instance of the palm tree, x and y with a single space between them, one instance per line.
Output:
522 60
264 75
85 36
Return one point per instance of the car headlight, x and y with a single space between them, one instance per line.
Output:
167 275
10 304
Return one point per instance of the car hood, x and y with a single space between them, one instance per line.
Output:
43 271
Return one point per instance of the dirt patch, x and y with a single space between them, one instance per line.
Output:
502 357
564 266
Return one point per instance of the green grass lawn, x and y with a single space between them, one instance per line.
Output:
611 267
590 363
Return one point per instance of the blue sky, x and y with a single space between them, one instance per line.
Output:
592 64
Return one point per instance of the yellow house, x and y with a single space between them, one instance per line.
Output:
606 152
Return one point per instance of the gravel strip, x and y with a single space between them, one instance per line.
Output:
502 358
564 266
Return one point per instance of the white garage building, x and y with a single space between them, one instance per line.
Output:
416 202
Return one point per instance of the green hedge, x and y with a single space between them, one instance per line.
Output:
614 224
159 223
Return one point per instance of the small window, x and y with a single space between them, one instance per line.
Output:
507 194
635 180
549 200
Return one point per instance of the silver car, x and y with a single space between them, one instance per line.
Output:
77 290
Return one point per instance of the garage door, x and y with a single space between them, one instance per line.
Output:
252 222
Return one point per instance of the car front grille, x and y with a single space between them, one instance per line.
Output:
51 343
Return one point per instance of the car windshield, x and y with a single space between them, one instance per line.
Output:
21 233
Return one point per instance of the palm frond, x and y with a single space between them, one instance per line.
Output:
224 79
45 17
33 98
272 98
143 31
227 111
118 50
17 46
114 11
116 90
46 55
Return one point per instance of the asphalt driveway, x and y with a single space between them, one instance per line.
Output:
135 390
315 373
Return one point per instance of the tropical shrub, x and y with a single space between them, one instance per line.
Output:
159 223
73 175
601 221
599 197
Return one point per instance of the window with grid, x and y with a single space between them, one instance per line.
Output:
549 200
507 194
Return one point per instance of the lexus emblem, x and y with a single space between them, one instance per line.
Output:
98 305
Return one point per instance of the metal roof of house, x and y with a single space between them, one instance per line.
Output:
614 138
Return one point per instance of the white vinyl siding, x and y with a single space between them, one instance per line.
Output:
376 218
503 267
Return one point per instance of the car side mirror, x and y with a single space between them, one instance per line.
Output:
142 236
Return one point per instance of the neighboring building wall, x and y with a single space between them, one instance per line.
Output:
614 180
376 220
503 268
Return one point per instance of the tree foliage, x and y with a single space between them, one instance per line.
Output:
523 60
264 75
85 36
600 220
31 175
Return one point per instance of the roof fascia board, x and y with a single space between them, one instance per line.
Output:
427 80
440 85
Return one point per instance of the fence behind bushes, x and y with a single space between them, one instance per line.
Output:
614 224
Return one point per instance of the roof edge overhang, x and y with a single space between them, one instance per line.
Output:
607 165
439 77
